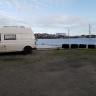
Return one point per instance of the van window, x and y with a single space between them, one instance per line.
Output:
10 37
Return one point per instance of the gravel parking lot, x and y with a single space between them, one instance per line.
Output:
51 72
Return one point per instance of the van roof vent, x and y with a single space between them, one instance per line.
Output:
10 26
15 26
22 26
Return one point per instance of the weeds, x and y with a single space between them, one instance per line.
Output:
57 48
68 52
22 60
12 59
21 94
32 90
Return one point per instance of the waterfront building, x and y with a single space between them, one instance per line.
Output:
60 35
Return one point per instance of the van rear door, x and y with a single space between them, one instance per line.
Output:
2 45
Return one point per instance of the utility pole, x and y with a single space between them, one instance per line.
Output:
68 36
89 31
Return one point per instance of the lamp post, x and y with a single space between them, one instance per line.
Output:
68 36
89 32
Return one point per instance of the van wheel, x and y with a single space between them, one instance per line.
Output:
27 50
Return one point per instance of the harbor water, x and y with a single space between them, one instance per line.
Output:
53 43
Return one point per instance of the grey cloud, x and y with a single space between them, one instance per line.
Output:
9 4
1 3
36 3
25 5
4 20
60 21
16 3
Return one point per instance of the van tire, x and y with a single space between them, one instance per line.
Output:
27 50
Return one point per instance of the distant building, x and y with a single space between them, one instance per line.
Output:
45 35
49 36
60 35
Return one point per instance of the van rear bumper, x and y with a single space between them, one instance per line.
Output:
34 48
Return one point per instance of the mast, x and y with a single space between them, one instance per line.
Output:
89 32
68 36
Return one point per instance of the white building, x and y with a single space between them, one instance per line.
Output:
61 34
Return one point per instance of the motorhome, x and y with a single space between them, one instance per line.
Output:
14 38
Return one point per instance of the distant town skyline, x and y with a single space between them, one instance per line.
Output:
50 16
60 36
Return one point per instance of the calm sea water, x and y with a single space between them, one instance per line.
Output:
44 43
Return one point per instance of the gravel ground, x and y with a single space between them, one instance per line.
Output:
48 73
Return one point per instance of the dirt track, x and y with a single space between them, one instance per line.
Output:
49 73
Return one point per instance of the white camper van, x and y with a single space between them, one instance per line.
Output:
14 38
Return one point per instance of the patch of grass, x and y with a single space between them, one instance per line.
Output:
55 52
75 51
12 59
22 60
4 94
32 90
84 58
86 51
21 94
38 59
57 48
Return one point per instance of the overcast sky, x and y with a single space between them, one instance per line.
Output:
50 16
